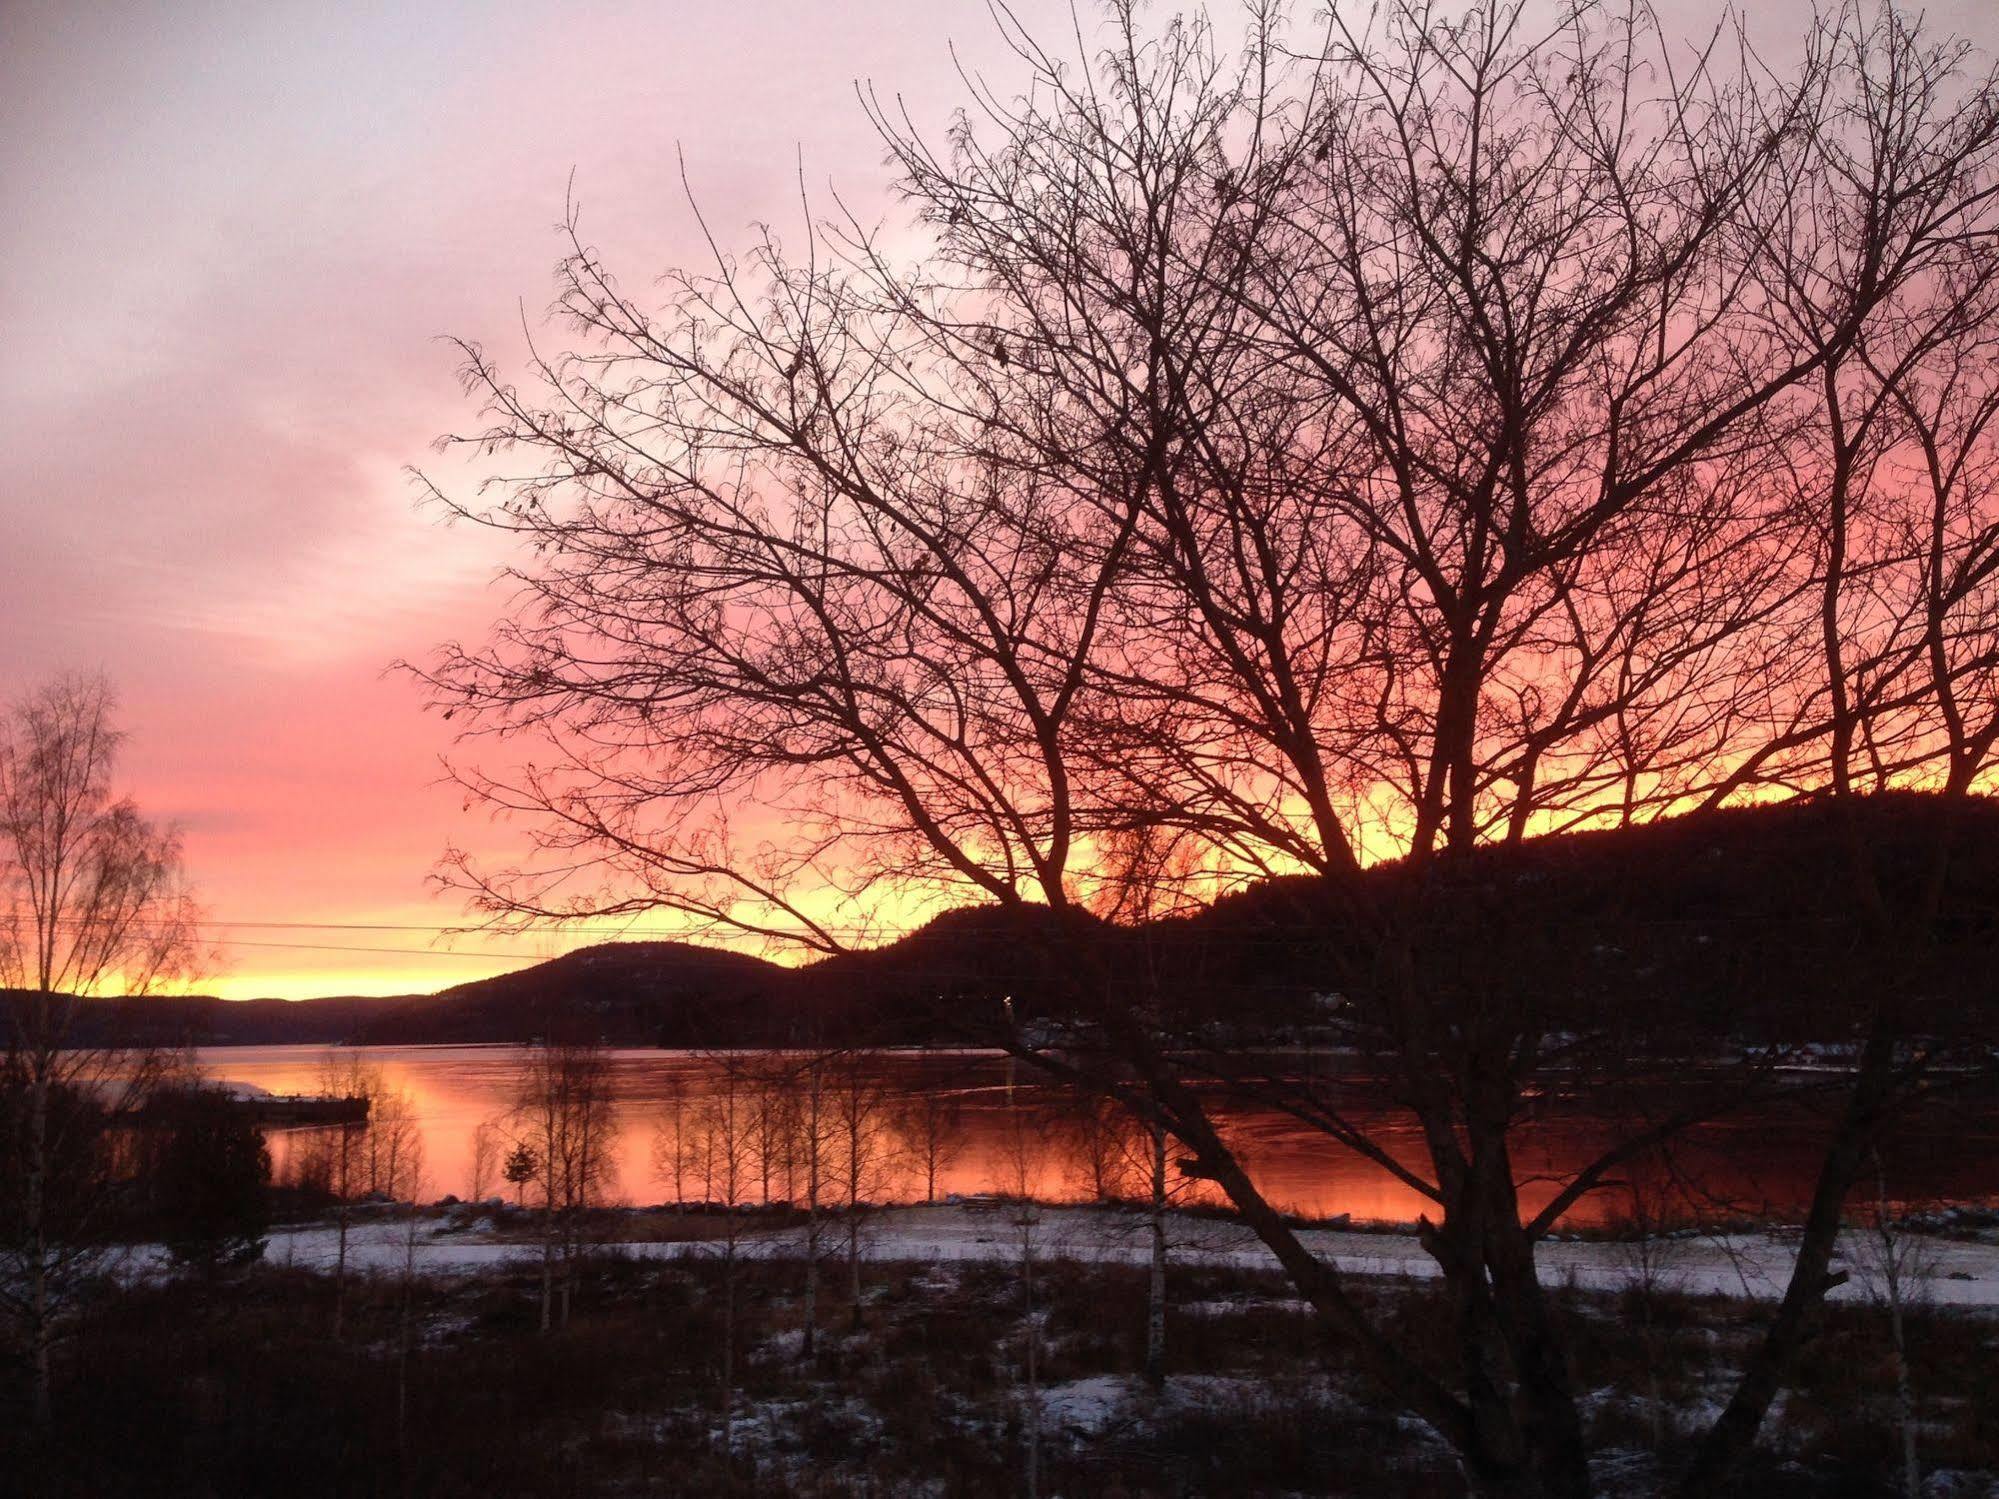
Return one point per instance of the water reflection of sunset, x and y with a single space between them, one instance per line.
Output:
455 1089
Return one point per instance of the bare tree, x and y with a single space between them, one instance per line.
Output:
404 1181
673 1146
1144 875
864 1158
1393 441
1644 1226
339 1157
1155 1286
369 1152
1897 1258
394 1145
931 1122
1099 1149
1021 1162
92 901
770 1122
562 1107
1893 488
725 1127
485 1163
814 1132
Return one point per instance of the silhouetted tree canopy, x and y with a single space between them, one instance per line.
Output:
1375 441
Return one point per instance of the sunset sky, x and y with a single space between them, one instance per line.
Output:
232 235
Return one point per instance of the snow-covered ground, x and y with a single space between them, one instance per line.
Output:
1751 1265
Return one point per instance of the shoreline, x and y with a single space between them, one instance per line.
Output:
1740 1264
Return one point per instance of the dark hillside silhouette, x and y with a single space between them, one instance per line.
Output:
1723 925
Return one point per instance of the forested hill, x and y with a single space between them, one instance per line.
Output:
1727 918
639 993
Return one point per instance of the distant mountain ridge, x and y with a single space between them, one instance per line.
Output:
646 993
1710 911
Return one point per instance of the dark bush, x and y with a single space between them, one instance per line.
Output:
208 1178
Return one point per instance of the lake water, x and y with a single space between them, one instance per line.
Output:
1004 1130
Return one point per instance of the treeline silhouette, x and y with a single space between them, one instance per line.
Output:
1720 925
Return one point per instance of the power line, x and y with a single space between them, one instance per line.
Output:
389 926
403 952
557 927
575 937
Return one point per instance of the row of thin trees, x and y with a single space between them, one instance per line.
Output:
822 1138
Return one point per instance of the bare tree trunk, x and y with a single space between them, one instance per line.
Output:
765 1101
854 1265
729 1344
1155 1297
549 1105
340 1273
1027 1212
679 1158
1812 1276
859 1121
340 1244
40 1333
1646 1227
1891 1268
405 1339
547 1248
809 1343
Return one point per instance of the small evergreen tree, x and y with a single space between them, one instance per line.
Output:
211 1176
522 1167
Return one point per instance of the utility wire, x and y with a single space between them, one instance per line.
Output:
376 926
400 952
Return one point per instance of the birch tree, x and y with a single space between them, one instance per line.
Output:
93 901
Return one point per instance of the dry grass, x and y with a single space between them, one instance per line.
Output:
237 1388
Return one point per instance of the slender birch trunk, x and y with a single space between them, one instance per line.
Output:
1905 1398
1155 1299
40 1334
809 1343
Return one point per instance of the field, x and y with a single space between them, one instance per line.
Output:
443 1384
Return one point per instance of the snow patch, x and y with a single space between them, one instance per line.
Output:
1084 1407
